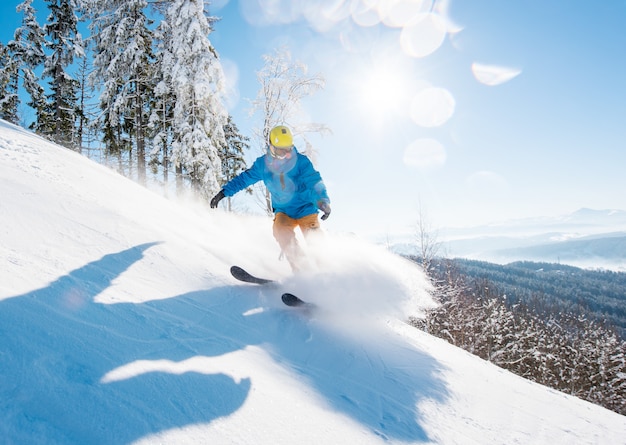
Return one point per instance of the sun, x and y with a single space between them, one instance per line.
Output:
382 92
381 89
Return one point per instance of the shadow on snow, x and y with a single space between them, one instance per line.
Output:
56 345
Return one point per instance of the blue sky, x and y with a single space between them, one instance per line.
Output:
485 111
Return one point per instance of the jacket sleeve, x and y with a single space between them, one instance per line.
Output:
313 182
246 178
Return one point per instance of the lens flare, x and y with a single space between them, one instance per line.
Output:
400 13
425 153
364 13
493 75
432 107
424 35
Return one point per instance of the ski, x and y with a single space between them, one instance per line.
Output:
293 301
287 298
243 275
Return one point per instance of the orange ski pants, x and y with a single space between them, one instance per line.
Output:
284 232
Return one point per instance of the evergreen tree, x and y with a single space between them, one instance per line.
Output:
160 125
8 86
161 119
27 48
122 68
58 121
193 77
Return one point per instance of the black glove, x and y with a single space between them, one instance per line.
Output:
324 207
217 198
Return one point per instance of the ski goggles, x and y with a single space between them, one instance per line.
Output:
280 152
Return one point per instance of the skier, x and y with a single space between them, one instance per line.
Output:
296 188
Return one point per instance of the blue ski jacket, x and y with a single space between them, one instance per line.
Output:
295 186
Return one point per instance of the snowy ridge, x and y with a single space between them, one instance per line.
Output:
119 323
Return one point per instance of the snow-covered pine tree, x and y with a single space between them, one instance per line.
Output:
27 49
160 124
193 77
8 86
615 387
161 118
64 42
123 72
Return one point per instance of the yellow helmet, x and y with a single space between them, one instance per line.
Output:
281 137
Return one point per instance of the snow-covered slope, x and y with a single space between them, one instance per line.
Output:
119 323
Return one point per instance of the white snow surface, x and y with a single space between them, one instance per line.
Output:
120 323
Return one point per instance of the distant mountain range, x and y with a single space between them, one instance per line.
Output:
587 238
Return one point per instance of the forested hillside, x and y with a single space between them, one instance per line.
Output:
556 325
549 288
